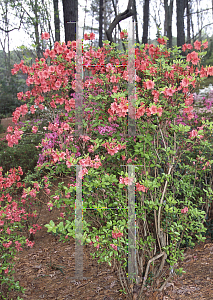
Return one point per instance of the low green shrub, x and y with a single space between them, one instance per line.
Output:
1 129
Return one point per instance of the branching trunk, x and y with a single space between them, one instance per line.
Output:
119 27
122 16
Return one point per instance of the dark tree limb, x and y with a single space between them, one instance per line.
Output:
119 27
120 17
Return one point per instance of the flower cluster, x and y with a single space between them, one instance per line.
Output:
184 210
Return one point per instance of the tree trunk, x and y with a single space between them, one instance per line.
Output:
38 48
180 22
168 21
145 21
70 9
101 22
136 20
166 17
188 22
169 30
105 18
56 21
119 27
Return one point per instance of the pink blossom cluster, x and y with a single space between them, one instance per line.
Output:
13 139
112 148
116 234
184 210
123 35
90 36
139 187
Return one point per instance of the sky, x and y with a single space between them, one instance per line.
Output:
18 38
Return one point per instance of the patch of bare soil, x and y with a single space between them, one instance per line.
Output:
9 122
47 270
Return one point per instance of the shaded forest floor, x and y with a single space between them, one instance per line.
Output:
46 271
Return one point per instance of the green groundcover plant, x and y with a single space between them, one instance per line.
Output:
172 193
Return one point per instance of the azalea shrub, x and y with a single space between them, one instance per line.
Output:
170 205
14 215
25 154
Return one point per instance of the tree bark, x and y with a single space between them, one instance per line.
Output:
188 22
101 22
122 16
38 46
145 21
70 9
166 17
119 27
56 21
136 20
168 21
169 30
180 22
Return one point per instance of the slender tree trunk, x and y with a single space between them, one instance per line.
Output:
169 30
188 22
193 34
101 22
145 21
85 18
136 20
38 48
198 22
166 17
56 21
180 22
168 21
70 9
105 18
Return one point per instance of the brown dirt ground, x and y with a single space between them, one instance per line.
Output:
8 122
50 279
45 270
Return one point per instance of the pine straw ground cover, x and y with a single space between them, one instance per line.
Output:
46 270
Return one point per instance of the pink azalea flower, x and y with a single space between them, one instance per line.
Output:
184 210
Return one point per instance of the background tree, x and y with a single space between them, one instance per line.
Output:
145 21
100 23
180 6
56 20
107 11
70 10
168 9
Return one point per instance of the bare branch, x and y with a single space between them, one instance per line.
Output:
197 12
6 31
202 29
